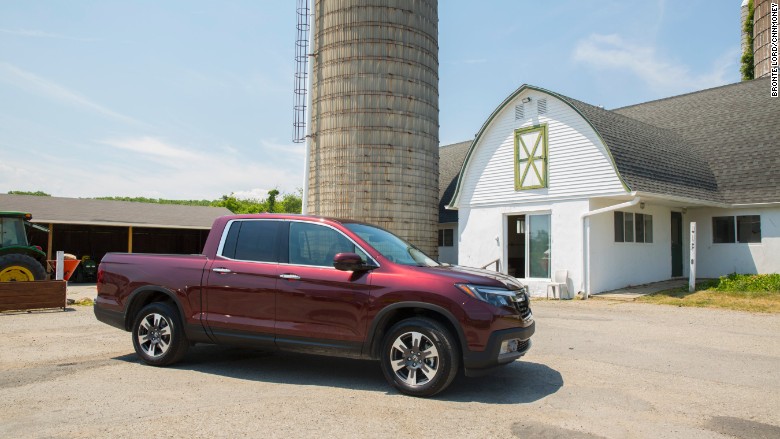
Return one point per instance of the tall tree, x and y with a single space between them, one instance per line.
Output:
272 200
747 67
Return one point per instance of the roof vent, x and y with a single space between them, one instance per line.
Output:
519 112
541 106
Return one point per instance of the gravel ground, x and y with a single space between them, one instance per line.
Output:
597 369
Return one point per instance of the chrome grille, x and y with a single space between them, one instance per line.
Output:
522 304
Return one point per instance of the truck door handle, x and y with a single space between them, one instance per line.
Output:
221 270
290 276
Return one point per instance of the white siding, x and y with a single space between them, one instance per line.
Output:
579 165
714 260
449 255
483 234
618 264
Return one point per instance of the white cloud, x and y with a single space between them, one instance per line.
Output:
613 52
153 147
64 176
151 167
297 149
252 194
169 170
42 34
31 82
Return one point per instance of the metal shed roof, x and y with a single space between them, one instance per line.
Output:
85 211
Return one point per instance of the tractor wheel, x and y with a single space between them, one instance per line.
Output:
20 268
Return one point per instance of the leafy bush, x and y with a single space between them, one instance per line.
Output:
289 203
753 283
36 193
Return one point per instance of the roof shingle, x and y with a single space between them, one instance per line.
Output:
733 128
451 159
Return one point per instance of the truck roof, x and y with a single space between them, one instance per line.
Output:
12 214
291 216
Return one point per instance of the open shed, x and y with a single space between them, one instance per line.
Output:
89 227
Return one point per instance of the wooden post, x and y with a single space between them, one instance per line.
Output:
130 239
692 268
50 242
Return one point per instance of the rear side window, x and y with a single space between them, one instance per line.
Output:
253 241
229 249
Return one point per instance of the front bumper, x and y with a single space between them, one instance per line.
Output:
476 363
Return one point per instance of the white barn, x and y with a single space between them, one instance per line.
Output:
552 184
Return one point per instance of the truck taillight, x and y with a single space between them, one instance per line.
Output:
99 276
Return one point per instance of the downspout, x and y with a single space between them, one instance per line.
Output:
586 240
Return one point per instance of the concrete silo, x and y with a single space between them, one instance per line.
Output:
762 38
374 115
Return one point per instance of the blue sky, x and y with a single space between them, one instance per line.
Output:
193 99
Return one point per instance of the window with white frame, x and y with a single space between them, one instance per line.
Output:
633 227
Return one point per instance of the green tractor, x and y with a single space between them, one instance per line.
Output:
19 261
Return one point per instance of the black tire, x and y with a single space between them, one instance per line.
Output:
424 346
77 277
14 268
158 335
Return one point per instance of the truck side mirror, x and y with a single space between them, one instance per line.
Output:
350 262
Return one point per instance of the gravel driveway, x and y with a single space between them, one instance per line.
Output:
597 369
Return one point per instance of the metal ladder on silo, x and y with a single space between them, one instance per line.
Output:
301 72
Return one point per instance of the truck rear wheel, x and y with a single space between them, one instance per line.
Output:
20 268
158 335
419 357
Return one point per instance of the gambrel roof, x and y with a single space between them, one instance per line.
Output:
720 145
734 128
650 158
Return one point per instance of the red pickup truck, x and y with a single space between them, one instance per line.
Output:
321 286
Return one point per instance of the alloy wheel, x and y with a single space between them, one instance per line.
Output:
154 335
414 359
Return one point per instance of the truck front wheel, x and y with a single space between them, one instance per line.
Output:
419 357
158 335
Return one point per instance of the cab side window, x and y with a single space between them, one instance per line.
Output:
313 244
253 241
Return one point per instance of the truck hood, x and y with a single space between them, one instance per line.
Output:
476 276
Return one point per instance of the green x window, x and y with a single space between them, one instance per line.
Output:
531 157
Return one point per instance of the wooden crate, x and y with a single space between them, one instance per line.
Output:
32 295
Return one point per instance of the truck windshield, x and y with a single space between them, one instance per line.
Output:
392 247
12 232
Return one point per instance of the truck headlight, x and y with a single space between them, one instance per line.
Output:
499 297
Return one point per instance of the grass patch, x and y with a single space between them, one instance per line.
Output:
739 292
84 302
